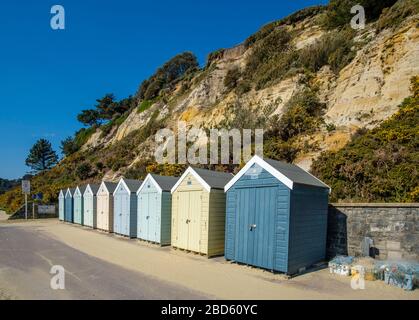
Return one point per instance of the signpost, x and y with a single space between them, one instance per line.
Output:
26 189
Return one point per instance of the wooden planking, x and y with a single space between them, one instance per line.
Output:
199 237
166 215
78 209
61 208
89 210
262 200
68 205
308 226
216 222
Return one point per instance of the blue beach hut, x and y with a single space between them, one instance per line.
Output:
78 203
68 212
61 205
125 207
276 216
155 209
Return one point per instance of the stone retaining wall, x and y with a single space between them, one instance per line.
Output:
394 228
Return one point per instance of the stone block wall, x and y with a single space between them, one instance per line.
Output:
394 228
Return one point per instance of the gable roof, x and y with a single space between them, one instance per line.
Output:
71 191
162 183
130 185
288 174
208 178
93 187
61 194
81 189
109 186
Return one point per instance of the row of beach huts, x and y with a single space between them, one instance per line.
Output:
271 214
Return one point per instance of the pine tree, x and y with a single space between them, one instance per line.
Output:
41 157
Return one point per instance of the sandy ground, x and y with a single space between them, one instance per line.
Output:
214 277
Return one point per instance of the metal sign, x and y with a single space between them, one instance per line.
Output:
50 209
26 187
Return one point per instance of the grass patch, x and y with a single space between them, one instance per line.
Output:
144 105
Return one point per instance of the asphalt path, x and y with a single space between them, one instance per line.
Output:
27 256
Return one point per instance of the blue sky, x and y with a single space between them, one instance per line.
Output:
47 76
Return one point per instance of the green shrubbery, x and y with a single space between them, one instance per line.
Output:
394 16
332 49
380 164
338 12
166 76
274 58
303 114
289 20
217 54
84 171
232 78
144 105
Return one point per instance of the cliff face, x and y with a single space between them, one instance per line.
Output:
363 94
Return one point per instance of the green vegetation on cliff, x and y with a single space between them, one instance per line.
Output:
379 165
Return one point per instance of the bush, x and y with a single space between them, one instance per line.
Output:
333 49
277 149
144 105
338 12
231 79
303 113
100 166
289 20
69 146
243 87
271 59
83 135
267 48
214 56
394 16
167 75
330 127
379 164
83 171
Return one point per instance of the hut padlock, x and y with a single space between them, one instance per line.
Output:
252 226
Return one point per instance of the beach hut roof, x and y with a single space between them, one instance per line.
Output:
162 183
130 185
82 189
110 186
208 178
289 174
93 187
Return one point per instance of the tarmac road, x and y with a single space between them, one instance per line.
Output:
26 258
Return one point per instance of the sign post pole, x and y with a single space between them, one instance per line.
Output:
26 189
26 206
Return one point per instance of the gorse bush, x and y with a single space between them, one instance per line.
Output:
303 114
278 149
381 164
